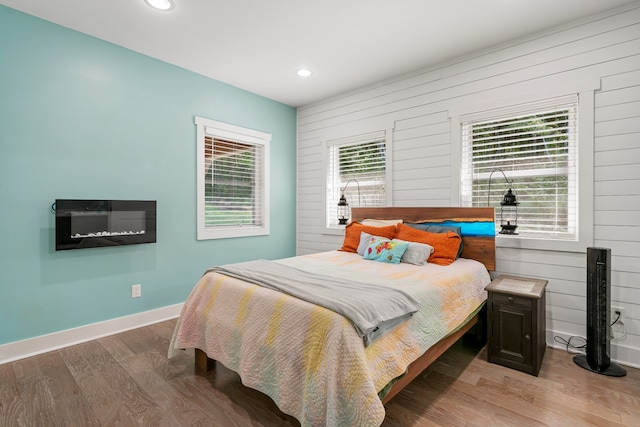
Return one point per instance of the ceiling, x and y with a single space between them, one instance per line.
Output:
258 45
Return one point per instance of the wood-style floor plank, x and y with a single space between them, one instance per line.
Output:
152 371
70 404
38 404
127 380
11 407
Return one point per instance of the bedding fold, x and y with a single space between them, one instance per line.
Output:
373 309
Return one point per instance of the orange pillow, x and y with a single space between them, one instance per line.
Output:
353 230
445 245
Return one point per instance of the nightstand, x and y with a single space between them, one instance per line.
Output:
517 325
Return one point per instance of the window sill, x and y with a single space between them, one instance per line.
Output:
230 233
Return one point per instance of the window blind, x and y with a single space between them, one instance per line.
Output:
234 177
537 150
362 159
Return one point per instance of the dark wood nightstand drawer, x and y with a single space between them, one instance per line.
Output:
512 299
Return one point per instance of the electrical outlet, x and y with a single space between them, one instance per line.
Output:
136 291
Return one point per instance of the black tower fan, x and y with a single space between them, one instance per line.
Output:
599 315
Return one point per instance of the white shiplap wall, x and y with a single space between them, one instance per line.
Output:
603 53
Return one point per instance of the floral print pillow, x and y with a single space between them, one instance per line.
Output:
385 250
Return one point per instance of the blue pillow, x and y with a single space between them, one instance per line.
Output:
385 250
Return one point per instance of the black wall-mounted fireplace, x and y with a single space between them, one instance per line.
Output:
84 224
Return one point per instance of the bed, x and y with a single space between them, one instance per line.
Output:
310 360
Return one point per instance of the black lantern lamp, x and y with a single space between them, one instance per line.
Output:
344 211
508 207
509 213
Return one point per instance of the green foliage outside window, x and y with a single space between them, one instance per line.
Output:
534 152
230 189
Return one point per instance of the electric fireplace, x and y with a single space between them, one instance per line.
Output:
84 224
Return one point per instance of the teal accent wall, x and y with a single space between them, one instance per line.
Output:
81 118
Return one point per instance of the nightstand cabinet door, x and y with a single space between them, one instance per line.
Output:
511 334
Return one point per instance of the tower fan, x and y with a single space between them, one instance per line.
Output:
599 315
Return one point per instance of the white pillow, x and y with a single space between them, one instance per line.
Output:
416 253
364 243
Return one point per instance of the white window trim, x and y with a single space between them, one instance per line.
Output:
206 127
388 137
586 117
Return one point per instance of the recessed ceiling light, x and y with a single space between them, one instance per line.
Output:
160 4
303 72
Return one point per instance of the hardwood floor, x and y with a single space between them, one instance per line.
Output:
126 380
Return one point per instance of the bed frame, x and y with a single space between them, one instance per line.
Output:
482 249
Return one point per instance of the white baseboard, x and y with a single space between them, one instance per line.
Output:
45 343
620 354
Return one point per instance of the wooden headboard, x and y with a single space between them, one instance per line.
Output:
480 248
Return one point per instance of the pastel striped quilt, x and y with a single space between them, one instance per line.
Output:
309 359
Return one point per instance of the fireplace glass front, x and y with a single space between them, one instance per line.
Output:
98 223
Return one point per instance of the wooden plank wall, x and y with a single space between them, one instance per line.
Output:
418 107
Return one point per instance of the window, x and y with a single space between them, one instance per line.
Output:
233 180
363 160
536 147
